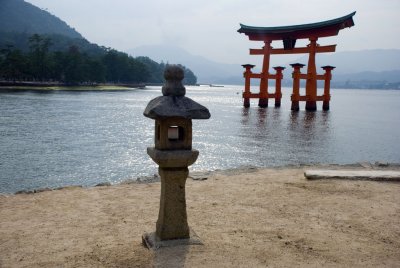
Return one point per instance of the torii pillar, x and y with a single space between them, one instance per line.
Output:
247 75
311 83
278 85
263 100
327 85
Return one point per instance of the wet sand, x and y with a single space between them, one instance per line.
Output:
245 218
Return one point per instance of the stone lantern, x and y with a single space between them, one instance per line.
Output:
173 114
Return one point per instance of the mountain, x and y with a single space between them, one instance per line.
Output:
347 62
19 20
374 68
207 71
377 66
20 16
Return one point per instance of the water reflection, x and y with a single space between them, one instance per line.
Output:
275 135
245 116
261 119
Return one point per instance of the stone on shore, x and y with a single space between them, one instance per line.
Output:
374 175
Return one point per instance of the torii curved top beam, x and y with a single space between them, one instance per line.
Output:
294 32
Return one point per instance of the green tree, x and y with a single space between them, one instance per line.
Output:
121 68
58 66
190 78
96 70
155 70
76 69
139 70
13 65
39 47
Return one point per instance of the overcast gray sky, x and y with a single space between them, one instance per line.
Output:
209 27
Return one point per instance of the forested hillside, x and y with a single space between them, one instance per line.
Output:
38 46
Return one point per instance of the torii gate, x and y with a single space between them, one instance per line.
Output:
289 35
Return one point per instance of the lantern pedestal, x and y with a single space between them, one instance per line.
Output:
172 218
172 228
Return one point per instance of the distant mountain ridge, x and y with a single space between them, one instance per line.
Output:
207 71
377 65
370 60
20 16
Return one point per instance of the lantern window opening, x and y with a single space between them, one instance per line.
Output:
175 133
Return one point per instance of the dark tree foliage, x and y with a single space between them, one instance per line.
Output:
157 74
38 57
190 78
75 65
13 64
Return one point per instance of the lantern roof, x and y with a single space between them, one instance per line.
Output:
172 106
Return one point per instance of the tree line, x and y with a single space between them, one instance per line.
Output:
74 67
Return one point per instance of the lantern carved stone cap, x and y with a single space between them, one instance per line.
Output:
173 159
173 103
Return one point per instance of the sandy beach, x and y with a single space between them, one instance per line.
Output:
246 218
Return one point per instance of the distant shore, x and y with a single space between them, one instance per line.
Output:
246 217
32 85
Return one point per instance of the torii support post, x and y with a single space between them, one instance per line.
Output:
263 100
247 75
296 85
327 85
311 83
278 85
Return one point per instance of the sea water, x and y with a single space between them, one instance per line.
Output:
58 138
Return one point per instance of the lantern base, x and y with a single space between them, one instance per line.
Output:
151 241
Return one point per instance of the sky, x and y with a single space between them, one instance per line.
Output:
208 28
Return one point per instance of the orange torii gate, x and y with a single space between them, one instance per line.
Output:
289 35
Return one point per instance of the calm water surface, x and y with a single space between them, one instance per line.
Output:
61 138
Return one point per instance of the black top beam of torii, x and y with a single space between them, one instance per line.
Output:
294 32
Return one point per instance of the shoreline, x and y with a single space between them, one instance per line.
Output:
244 218
37 86
31 85
203 175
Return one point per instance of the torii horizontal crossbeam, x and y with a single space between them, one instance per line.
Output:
299 50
